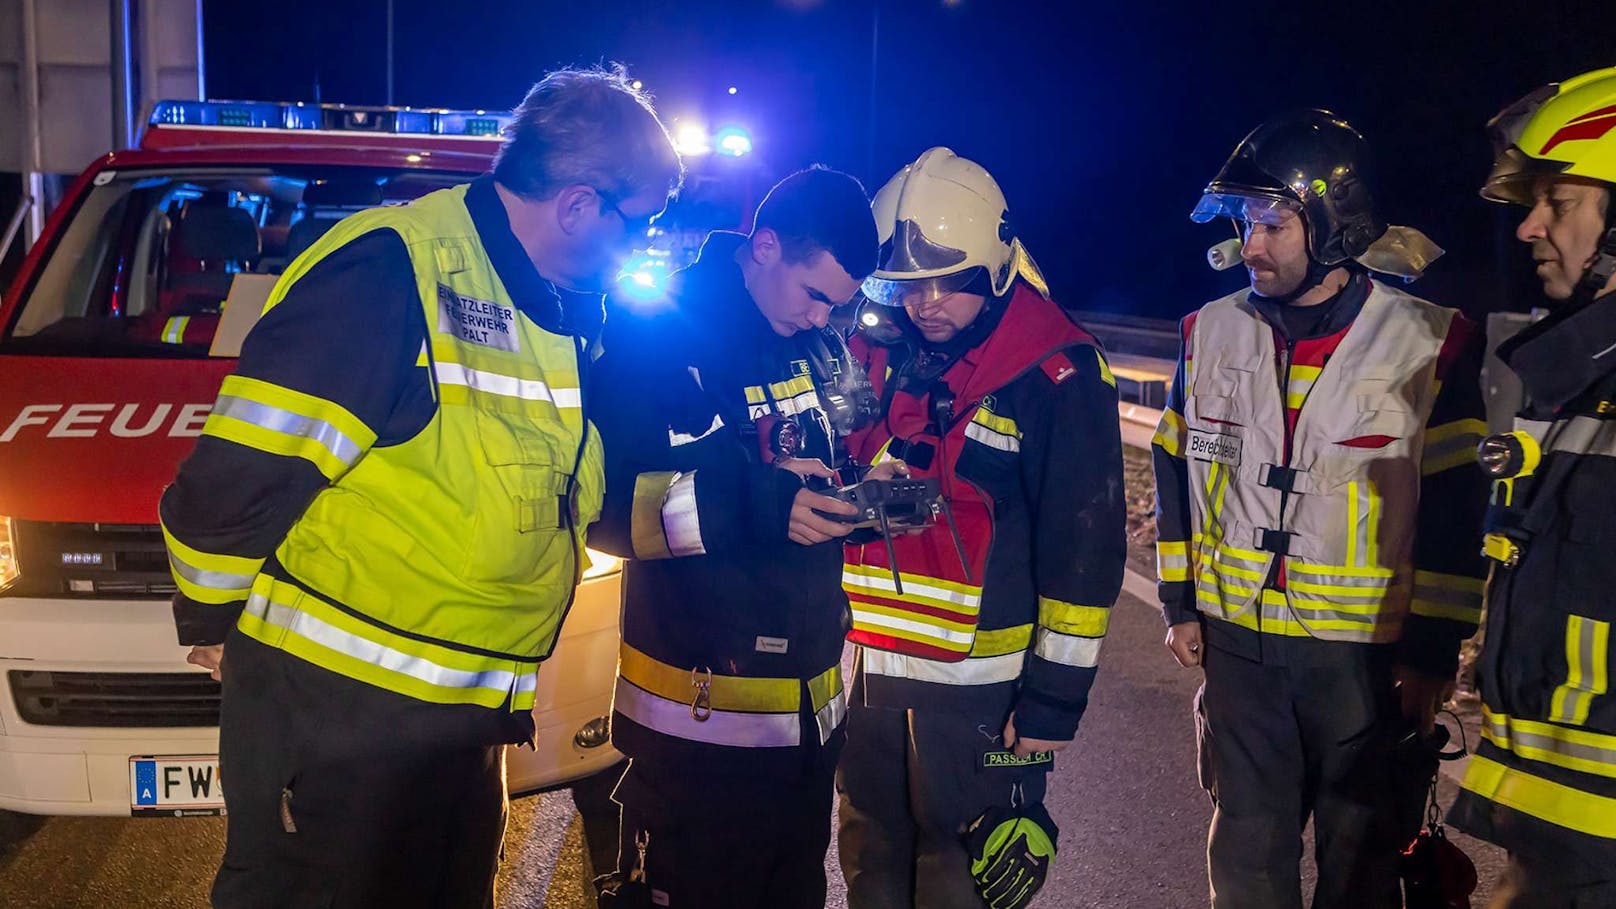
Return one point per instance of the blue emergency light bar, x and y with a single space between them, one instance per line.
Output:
330 117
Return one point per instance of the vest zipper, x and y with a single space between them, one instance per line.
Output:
1289 356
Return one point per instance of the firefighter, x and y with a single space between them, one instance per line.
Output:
1542 783
1314 469
383 521
978 670
716 408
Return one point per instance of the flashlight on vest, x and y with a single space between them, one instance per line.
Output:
1506 457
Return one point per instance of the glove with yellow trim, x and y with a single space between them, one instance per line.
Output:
1011 848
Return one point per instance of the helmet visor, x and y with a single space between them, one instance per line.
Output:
1514 175
1252 209
916 291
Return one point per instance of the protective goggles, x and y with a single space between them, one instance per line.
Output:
916 291
1252 209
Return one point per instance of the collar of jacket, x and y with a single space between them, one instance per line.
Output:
1342 308
1565 354
712 296
558 311
1032 328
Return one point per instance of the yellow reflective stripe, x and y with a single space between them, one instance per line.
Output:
1303 372
1070 618
1587 645
281 421
1105 369
674 717
209 578
791 387
995 422
737 694
174 329
280 615
1369 573
1170 433
825 687
963 630
1451 445
884 453
1172 561
971 593
1554 802
1001 641
645 515
1447 596
1574 749
756 395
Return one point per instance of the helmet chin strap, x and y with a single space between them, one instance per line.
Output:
1316 273
1604 265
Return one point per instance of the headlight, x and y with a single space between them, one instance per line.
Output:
8 553
600 565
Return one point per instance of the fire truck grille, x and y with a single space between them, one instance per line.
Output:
89 561
115 699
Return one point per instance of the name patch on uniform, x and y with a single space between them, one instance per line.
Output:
1011 759
772 645
477 321
1210 446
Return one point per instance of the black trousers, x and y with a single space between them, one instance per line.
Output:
1314 730
910 781
341 794
724 841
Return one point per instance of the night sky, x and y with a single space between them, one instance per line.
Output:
1101 121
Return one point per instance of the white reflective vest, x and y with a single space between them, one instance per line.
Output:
1345 527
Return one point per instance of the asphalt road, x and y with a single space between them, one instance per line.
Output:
1132 818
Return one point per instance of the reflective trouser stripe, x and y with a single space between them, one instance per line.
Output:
207 577
970 671
281 421
1556 803
1587 645
664 521
724 692
282 616
1172 561
1573 749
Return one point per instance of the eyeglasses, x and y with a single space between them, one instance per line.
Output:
638 227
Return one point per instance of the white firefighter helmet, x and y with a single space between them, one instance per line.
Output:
939 220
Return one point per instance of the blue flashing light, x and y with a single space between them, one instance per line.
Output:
644 277
733 141
333 117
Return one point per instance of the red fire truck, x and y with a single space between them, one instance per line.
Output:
114 338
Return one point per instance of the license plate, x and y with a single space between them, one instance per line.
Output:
175 786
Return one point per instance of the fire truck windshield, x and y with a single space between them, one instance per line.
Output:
150 260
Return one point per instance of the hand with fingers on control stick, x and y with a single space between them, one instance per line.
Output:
804 526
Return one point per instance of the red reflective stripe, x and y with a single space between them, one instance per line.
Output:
964 618
902 645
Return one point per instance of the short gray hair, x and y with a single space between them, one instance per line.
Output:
590 127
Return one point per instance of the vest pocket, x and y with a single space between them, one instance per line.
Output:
519 518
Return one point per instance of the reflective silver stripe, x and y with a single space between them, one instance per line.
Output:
721 727
1551 742
1584 436
680 522
1068 649
289 423
915 626
1587 641
676 439
1461 600
212 580
174 330
507 386
970 671
990 438
1313 576
326 635
831 715
913 585
802 402
1299 592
